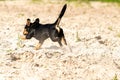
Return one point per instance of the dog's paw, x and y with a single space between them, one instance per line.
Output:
37 47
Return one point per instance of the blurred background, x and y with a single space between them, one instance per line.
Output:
92 31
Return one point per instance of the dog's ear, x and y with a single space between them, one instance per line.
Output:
37 20
28 22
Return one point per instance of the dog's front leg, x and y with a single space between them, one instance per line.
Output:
38 45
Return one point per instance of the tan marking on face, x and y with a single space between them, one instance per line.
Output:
25 32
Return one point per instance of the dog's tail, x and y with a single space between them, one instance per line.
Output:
61 15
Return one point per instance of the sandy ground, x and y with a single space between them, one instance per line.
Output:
92 32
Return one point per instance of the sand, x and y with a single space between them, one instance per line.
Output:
92 33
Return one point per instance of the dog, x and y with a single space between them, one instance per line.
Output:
44 31
26 29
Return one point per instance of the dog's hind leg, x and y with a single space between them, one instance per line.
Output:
67 46
62 41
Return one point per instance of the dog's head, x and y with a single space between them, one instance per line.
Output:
27 26
31 33
32 29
